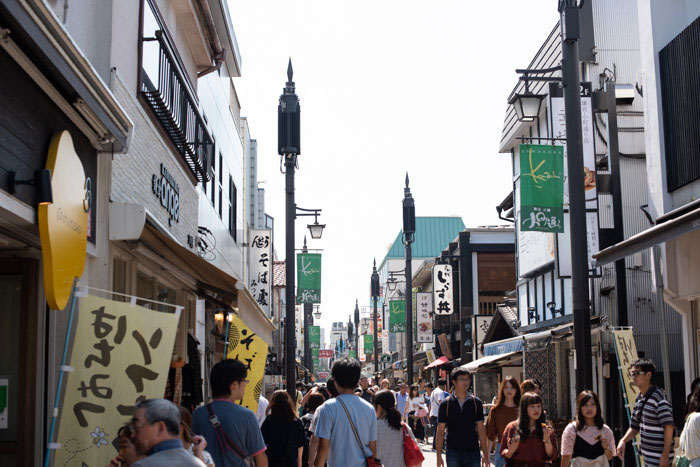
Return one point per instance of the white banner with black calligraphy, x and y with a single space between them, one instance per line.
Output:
260 267
424 317
442 289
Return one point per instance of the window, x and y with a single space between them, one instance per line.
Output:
119 279
144 289
221 189
213 181
233 195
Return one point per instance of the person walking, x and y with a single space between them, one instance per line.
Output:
313 402
261 413
531 385
194 444
416 409
689 446
366 392
313 443
652 418
462 416
402 401
438 395
155 429
528 441
502 413
347 425
587 440
232 432
283 432
389 430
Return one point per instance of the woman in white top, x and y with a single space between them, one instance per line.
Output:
587 440
689 446
416 409
389 430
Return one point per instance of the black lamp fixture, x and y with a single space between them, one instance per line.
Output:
316 229
317 311
41 183
532 314
527 105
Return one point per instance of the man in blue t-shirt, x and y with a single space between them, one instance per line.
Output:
238 424
338 443
401 398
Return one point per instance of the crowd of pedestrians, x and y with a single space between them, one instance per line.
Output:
349 422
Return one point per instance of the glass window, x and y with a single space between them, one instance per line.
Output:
166 295
10 333
119 279
144 289
150 49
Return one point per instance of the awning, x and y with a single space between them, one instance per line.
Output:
440 361
669 226
489 359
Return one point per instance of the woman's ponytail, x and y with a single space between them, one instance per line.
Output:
387 401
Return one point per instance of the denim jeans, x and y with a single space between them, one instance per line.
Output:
498 459
457 458
433 422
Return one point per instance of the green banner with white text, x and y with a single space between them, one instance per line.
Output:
541 188
315 337
397 316
369 343
308 278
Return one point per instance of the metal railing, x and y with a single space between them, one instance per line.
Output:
174 105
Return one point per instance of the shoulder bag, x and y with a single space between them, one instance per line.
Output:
224 442
412 455
371 461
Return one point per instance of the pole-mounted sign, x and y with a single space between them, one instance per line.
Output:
442 289
541 188
309 277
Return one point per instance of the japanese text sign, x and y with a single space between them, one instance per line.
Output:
249 348
260 266
369 343
121 355
626 351
442 289
397 316
541 188
424 317
309 278
325 353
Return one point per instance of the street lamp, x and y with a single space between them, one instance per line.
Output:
409 230
357 329
317 311
374 282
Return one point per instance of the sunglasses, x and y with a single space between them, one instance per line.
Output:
635 373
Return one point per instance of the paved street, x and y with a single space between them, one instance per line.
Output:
430 457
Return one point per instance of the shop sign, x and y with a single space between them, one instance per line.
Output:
424 317
445 346
63 224
250 349
120 355
351 354
369 343
167 191
309 278
323 375
397 316
4 388
315 337
398 374
626 352
363 357
385 358
442 289
260 266
325 353
480 326
541 188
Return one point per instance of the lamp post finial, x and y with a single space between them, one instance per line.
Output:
290 71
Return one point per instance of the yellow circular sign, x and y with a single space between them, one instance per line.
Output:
63 223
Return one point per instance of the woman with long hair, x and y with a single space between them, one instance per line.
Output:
195 444
416 411
127 453
389 429
283 432
588 441
689 446
504 411
528 440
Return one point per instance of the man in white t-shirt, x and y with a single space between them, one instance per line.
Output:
436 397
262 408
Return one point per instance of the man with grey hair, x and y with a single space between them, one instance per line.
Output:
155 427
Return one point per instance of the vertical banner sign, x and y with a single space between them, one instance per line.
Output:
4 387
260 266
424 317
541 188
351 354
121 354
442 289
248 348
315 360
308 278
480 325
315 337
626 352
397 316
369 343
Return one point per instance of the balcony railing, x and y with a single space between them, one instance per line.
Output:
175 107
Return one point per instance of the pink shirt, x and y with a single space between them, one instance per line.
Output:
589 434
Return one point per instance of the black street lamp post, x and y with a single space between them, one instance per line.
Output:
375 297
357 330
409 229
570 33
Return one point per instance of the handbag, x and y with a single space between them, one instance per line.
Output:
682 461
412 455
371 461
224 442
422 413
601 461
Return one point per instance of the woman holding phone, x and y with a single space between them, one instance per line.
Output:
588 441
529 441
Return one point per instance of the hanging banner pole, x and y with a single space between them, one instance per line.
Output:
63 370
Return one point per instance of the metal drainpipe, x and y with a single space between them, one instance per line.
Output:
212 37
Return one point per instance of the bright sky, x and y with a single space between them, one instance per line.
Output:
386 87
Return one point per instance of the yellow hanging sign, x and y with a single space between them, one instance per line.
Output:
120 354
63 224
251 350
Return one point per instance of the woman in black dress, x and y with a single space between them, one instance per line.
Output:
283 432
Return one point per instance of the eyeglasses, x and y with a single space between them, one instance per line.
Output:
466 378
635 373
135 426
